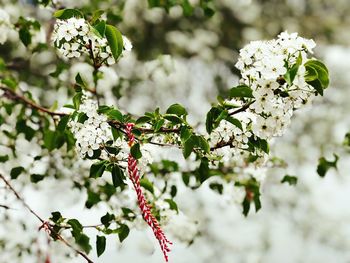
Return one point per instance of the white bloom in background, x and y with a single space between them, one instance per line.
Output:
74 37
5 26
127 44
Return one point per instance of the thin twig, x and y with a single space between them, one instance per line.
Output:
243 108
57 235
10 94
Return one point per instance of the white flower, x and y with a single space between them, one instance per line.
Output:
5 26
127 43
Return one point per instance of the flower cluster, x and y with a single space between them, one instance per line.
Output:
5 26
74 37
91 133
264 67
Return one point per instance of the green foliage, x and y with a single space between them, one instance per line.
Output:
135 151
123 232
291 180
258 143
35 178
115 40
16 171
118 176
324 165
293 70
100 245
101 28
317 75
216 115
241 91
25 27
68 13
346 141
97 169
4 158
252 189
177 109
172 204
145 183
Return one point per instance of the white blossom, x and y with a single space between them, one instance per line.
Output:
5 26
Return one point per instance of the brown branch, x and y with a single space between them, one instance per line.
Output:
12 95
6 207
44 223
243 108
119 125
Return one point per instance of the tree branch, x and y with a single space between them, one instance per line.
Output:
44 223
243 108
10 94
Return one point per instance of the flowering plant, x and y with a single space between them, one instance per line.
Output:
121 150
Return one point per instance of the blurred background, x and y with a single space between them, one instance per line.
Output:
191 60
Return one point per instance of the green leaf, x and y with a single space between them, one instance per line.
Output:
115 40
106 219
241 91
100 245
324 165
68 13
317 75
147 185
4 158
96 15
235 122
22 127
16 171
77 100
135 151
256 142
174 119
188 146
292 72
34 178
172 204
77 228
101 28
97 169
203 144
118 176
123 232
49 139
291 180
62 124
346 141
158 125
80 82
214 116
187 8
217 187
9 82
185 133
177 109
56 217
84 242
114 114
143 119
25 36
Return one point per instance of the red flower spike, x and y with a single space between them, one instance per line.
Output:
134 175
